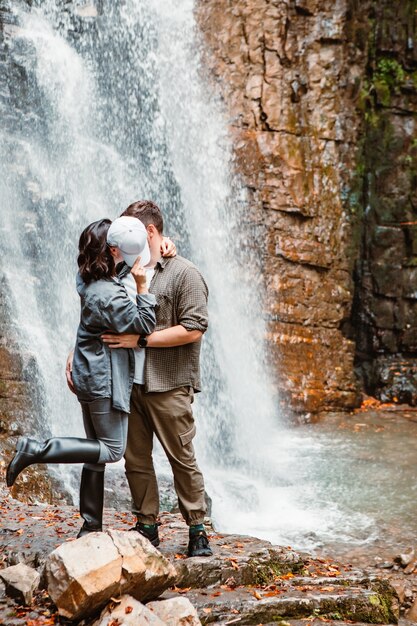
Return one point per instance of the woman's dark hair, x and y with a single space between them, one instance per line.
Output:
94 259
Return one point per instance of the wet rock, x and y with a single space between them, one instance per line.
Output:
20 581
83 575
394 379
175 612
254 606
405 558
412 612
128 612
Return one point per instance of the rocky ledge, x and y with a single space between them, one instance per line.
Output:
247 581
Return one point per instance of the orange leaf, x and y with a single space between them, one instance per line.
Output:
181 589
271 594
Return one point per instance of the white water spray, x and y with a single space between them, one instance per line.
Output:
116 110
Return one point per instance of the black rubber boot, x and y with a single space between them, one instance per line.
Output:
91 501
56 450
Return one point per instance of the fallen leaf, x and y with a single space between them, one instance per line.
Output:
181 589
271 594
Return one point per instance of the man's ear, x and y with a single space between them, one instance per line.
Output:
152 230
114 251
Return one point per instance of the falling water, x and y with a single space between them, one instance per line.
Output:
107 106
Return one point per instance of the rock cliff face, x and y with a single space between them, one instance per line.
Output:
385 310
291 76
296 78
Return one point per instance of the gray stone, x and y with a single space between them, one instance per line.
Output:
128 612
20 582
175 612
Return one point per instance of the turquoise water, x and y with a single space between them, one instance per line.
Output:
366 463
343 486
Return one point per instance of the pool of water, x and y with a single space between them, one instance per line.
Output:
346 485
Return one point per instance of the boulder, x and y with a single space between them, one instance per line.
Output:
20 582
128 612
146 572
175 612
84 574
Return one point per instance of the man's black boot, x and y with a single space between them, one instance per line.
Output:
91 501
150 531
55 450
198 544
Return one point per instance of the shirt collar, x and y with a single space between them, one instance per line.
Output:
162 261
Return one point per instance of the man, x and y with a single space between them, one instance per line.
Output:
167 374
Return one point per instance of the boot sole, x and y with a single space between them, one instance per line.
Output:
155 542
9 473
202 553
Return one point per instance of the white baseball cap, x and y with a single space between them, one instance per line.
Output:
130 236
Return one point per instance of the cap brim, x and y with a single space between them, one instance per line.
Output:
145 257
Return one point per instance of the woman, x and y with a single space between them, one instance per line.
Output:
102 378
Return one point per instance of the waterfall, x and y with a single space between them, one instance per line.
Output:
108 105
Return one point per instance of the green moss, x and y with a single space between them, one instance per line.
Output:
336 616
390 73
264 574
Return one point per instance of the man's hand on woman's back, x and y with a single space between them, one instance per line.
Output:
68 371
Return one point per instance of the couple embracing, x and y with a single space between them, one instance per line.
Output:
134 369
